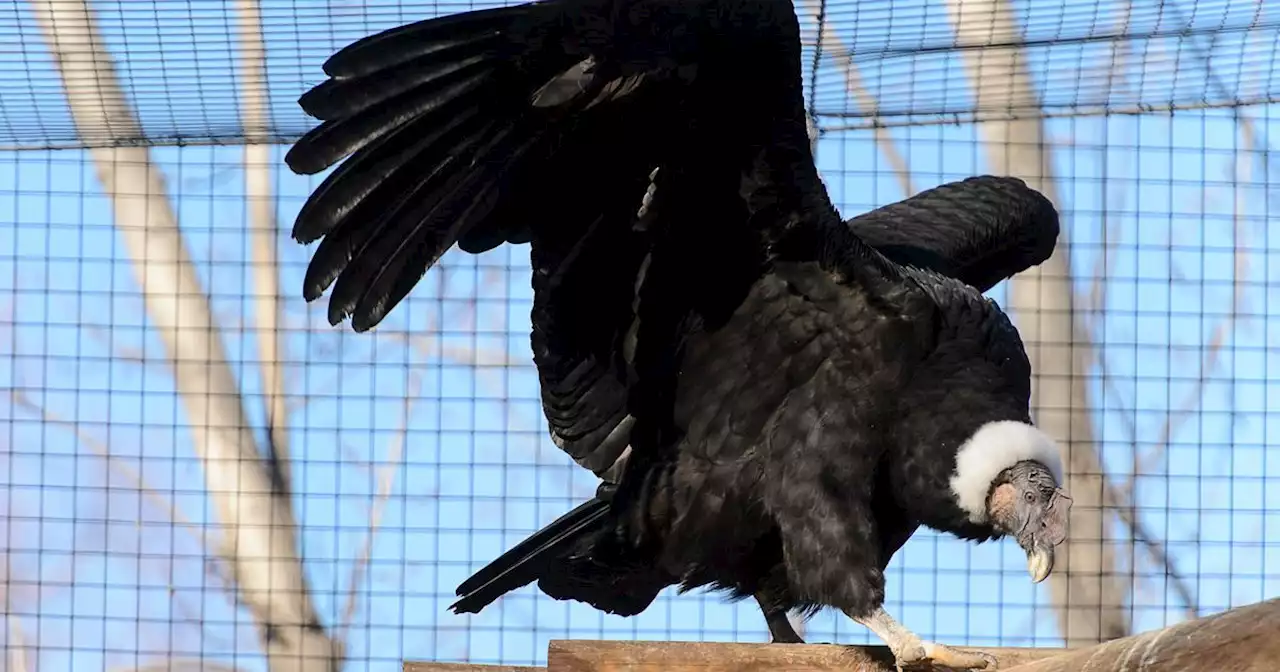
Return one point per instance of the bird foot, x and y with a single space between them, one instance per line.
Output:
912 653
920 655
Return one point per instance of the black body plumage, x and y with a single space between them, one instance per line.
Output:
793 388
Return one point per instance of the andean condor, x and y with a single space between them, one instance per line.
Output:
792 395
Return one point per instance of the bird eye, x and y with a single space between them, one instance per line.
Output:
1029 496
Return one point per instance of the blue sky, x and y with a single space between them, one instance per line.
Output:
99 576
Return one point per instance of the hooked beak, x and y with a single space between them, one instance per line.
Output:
1039 562
1040 540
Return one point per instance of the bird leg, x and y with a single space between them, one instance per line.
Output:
780 630
909 651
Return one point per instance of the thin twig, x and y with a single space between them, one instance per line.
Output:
1215 82
1121 51
1156 549
386 477
1213 348
867 103
187 615
1121 497
180 665
16 643
1092 326
199 533
213 566
263 237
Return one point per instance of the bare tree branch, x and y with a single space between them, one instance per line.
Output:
181 665
386 477
1156 549
1120 498
1089 599
1096 302
1125 497
1204 54
258 525
1115 79
215 569
867 103
15 643
262 235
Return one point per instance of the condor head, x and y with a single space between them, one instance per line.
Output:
1026 504
1008 477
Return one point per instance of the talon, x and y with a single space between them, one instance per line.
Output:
910 652
931 656
911 656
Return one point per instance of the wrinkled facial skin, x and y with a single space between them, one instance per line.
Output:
1027 504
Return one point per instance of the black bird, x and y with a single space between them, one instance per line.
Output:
981 230
792 401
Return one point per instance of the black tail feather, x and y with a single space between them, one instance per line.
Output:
530 559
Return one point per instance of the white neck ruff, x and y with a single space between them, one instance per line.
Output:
996 446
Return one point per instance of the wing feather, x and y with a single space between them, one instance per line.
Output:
653 152
980 230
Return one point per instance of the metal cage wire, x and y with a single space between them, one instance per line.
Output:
1149 123
869 63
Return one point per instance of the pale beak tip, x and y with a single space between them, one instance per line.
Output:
1039 565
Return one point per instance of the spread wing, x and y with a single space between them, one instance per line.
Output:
652 152
980 230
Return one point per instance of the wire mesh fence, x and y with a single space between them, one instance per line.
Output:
419 451
870 62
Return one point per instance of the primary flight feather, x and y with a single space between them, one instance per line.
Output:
775 398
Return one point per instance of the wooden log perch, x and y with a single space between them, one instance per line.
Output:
619 656
606 656
467 667
1242 640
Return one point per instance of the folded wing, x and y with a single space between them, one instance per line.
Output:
980 230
